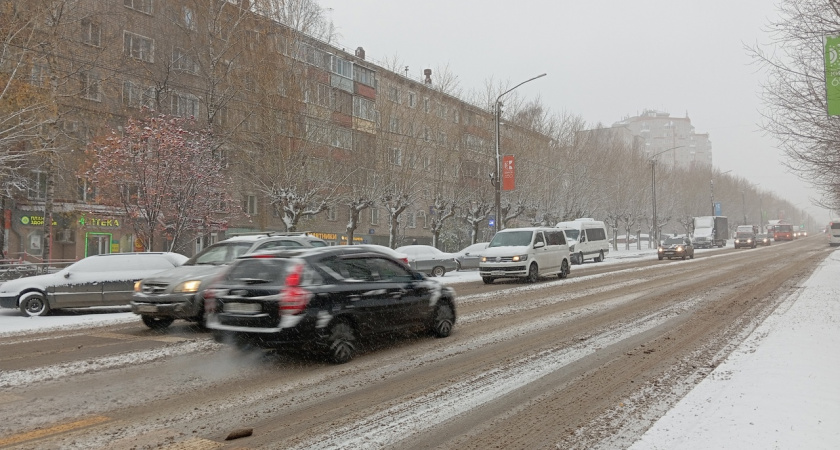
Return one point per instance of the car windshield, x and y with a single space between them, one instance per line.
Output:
572 234
512 239
319 244
221 253
672 241
744 234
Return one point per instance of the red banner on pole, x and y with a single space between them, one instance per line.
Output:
508 173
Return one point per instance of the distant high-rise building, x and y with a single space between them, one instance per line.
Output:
659 133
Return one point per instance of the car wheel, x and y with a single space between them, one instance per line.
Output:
341 341
157 323
683 258
487 280
438 271
564 270
443 320
600 256
533 273
34 304
691 256
660 258
580 258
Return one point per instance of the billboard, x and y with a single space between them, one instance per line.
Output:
832 75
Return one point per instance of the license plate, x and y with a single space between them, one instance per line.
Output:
147 308
497 273
243 307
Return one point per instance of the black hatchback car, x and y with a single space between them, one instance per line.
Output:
323 300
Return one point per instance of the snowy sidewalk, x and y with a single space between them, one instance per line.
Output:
780 389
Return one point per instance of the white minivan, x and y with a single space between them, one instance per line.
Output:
587 239
833 233
527 253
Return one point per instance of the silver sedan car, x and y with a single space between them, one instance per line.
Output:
429 260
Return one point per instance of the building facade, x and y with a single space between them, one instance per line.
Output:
672 138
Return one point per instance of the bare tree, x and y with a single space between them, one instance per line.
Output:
795 93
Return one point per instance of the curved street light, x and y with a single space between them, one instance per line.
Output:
497 182
652 160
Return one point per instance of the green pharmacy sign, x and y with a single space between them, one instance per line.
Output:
832 75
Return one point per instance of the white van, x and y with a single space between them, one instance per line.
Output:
587 239
833 233
527 253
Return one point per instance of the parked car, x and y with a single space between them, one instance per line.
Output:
429 260
745 239
323 300
386 250
100 280
526 253
676 247
763 239
177 293
470 256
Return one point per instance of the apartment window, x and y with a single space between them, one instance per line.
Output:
411 219
427 105
90 85
364 75
412 99
342 67
181 61
189 18
342 138
37 188
456 116
324 96
364 108
442 138
184 105
144 6
86 190
91 32
426 134
412 161
374 216
427 162
138 47
394 94
249 204
252 39
219 202
394 125
279 44
39 74
332 216
136 96
396 156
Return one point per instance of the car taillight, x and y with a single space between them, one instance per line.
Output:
405 260
293 298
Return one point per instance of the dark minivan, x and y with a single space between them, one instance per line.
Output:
323 300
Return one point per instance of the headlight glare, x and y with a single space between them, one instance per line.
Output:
188 286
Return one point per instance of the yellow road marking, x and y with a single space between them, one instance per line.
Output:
63 428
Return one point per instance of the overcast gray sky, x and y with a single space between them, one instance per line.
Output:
605 60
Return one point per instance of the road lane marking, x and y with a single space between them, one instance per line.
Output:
44 432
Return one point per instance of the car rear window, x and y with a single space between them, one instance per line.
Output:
258 270
835 226
221 253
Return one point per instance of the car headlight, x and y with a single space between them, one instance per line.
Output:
483 259
679 249
660 249
188 286
518 258
749 241
137 285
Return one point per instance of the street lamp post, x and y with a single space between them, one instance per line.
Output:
497 181
712 188
653 190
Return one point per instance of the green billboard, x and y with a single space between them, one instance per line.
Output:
832 75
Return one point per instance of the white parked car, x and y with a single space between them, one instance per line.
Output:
469 257
99 280
429 260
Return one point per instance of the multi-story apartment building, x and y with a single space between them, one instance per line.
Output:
673 138
300 125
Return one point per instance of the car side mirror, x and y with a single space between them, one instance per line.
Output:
418 276
539 245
